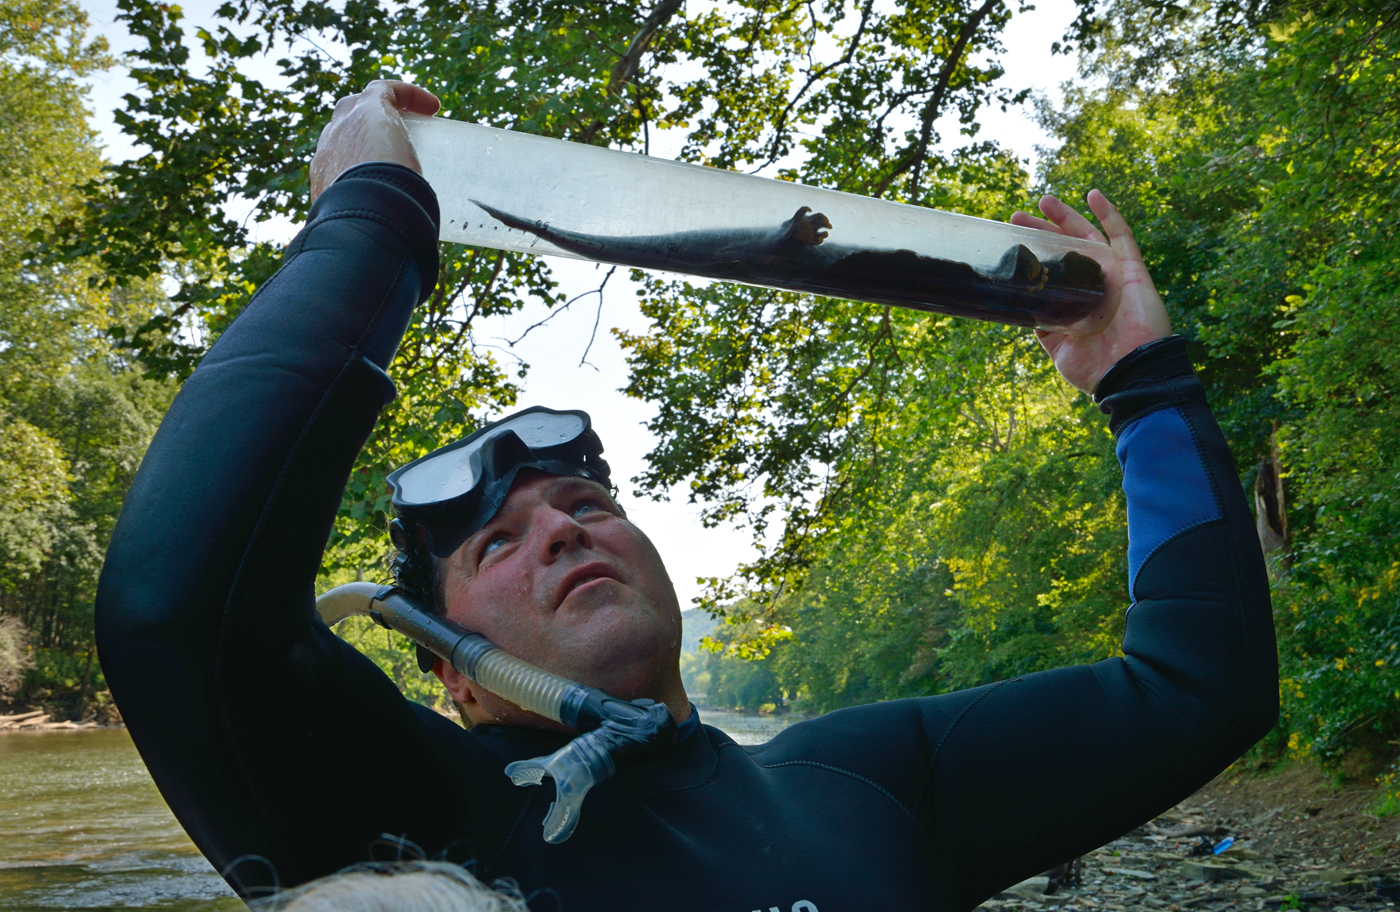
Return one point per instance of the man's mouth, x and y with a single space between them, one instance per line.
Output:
583 576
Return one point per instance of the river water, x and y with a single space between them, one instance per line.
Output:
82 825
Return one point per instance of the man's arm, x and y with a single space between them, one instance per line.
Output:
1039 769
264 732
1007 780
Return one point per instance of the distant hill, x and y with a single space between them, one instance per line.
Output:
695 624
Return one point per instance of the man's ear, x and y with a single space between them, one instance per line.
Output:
457 684
463 692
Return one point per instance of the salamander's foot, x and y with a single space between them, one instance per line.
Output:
1022 268
805 229
1076 269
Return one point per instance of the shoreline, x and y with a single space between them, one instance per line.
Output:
40 721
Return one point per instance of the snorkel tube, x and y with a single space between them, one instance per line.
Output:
611 730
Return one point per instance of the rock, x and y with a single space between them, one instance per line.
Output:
1131 872
1342 880
1251 891
1203 830
1336 876
1031 888
1205 870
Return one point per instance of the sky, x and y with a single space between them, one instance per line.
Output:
555 352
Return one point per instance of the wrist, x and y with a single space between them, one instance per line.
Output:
1151 376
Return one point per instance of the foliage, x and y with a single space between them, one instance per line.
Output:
14 654
1260 173
74 416
725 680
33 487
1252 146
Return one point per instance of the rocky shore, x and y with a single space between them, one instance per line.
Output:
1291 841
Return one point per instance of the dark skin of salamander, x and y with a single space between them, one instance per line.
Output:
1021 290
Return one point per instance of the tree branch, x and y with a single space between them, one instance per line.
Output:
781 123
625 70
916 156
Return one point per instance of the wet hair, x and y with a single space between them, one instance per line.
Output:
416 571
404 886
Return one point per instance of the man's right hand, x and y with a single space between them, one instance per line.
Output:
368 127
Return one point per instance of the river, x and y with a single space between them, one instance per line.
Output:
82 825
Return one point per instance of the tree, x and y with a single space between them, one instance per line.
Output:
75 415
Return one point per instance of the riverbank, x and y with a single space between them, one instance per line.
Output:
40 721
1296 841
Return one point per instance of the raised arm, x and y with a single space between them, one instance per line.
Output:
250 714
1039 769
1007 780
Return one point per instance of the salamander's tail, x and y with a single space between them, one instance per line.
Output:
541 229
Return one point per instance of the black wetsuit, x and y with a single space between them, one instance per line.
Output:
271 738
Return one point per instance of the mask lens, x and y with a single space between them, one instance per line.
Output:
443 477
455 472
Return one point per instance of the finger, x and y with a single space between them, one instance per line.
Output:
407 97
1069 220
1026 220
344 105
1119 233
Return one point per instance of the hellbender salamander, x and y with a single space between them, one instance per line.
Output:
1021 289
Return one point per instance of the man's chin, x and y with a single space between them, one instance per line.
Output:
618 647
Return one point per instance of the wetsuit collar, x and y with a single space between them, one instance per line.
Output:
690 726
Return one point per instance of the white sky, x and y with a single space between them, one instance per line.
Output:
554 351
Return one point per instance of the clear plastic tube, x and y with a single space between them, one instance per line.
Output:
516 191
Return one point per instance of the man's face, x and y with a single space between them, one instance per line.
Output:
561 579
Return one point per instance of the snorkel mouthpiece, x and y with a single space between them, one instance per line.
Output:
612 730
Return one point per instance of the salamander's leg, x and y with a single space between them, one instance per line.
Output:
1076 269
804 229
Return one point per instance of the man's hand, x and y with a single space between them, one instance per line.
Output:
1141 316
367 127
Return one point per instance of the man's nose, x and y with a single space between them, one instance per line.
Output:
563 532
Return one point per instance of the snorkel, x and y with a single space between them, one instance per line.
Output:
611 730
441 500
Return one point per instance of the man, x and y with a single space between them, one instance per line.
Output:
284 751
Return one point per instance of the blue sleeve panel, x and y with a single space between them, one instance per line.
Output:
1168 489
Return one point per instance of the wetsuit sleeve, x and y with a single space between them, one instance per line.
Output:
1034 771
269 737
1008 780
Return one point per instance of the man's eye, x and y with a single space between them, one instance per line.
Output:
493 544
586 507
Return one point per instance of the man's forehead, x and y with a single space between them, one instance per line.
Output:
532 485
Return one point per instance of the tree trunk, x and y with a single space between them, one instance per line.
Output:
1270 509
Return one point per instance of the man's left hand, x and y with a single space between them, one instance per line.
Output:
1141 317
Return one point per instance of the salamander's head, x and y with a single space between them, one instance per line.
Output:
515 533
